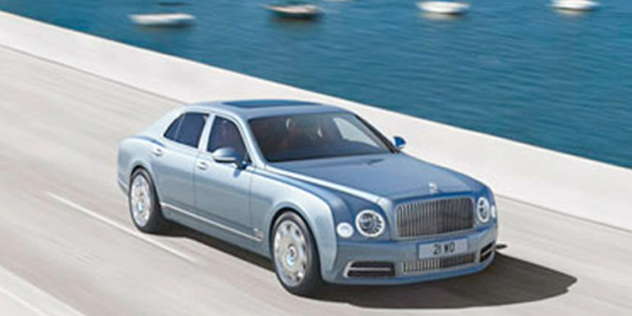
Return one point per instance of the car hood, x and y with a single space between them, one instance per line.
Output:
392 176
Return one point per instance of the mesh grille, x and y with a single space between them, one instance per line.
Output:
433 264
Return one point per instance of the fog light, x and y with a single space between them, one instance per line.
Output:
344 230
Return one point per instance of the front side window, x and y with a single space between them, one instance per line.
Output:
187 129
226 134
312 136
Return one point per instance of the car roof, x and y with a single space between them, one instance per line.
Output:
249 109
250 104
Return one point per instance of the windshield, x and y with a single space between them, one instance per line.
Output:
311 136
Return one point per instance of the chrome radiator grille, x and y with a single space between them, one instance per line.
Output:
423 218
433 264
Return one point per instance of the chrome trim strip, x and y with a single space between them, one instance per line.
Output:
370 269
348 268
210 222
345 271
488 251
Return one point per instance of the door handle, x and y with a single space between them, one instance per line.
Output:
202 165
158 152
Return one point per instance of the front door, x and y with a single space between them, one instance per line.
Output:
223 190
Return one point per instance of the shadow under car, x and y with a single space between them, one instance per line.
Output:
507 280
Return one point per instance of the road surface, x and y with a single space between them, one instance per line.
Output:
68 247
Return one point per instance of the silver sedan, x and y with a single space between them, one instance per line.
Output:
314 187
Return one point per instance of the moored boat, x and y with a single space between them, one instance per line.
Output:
296 10
575 5
163 19
444 7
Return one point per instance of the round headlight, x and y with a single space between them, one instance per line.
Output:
370 223
344 230
483 209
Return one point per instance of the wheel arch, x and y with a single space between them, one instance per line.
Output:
318 220
135 166
281 211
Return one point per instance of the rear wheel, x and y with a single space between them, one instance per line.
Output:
143 203
294 256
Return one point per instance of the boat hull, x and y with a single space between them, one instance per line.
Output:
575 5
163 20
295 12
443 7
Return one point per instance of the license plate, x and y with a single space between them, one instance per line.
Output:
442 249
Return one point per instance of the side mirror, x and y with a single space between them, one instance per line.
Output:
228 155
399 142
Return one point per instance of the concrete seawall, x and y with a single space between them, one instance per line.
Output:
560 182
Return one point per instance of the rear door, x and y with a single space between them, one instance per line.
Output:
173 164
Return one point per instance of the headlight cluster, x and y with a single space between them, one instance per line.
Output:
370 223
484 210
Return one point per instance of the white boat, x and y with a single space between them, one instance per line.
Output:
575 5
444 7
163 19
296 11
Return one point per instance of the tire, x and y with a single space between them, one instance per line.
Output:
294 256
144 205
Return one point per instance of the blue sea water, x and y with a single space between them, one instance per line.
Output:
511 68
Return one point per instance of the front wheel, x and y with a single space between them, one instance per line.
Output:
144 205
294 256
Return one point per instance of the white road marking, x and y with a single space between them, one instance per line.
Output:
22 302
120 227
30 297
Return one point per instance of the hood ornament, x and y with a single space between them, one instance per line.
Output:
433 188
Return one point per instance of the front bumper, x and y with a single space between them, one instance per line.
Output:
480 253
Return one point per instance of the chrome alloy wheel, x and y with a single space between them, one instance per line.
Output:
290 253
141 202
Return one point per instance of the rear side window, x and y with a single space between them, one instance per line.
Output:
172 131
187 129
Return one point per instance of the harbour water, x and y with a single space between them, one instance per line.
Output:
515 69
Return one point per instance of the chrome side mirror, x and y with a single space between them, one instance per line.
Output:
399 142
228 155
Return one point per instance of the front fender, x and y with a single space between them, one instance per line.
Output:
272 194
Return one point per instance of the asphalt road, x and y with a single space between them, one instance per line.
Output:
68 247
